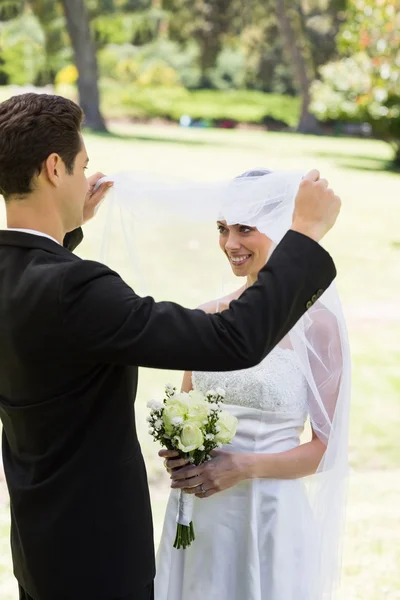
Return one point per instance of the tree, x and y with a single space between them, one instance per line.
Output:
364 85
78 24
207 22
86 61
298 49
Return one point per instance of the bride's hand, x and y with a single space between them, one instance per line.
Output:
172 460
223 471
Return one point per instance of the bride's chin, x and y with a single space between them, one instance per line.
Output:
240 272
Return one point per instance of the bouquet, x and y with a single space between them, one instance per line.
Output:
193 424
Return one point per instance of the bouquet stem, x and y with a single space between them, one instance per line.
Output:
184 528
184 536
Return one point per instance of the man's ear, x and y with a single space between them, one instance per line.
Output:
53 168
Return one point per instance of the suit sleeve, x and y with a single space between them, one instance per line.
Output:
104 320
73 239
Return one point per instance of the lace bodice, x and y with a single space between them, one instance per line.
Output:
276 384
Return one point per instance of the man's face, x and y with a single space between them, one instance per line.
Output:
74 190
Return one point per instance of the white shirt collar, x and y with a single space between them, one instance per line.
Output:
33 232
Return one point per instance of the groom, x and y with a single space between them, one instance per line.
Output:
72 336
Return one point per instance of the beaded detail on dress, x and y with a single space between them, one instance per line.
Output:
276 384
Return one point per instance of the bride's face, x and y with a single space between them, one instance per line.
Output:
245 247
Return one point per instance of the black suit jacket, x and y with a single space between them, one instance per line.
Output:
72 336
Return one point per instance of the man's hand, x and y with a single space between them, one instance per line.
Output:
316 207
93 199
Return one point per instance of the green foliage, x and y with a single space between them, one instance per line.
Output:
230 70
128 64
138 28
365 84
266 67
22 42
57 50
10 9
207 22
218 44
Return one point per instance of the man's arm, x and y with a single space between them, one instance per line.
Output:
105 321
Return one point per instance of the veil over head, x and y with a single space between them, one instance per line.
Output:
265 200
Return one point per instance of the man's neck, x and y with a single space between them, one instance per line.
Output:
21 215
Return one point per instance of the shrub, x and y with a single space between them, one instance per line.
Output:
68 75
173 102
365 85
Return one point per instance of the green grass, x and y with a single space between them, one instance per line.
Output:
366 247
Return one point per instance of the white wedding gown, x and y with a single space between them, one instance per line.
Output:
254 540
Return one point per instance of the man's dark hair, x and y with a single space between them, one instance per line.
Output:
33 126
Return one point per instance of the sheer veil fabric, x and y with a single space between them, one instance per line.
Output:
264 200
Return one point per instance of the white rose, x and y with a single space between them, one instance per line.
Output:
191 438
177 406
198 412
226 428
181 397
196 395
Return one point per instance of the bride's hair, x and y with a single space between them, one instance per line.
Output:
254 173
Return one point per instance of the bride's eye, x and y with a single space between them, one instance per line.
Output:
221 228
246 229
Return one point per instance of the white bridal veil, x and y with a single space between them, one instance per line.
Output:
266 201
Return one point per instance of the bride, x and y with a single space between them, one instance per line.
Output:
268 507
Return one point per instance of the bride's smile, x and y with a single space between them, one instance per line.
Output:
245 247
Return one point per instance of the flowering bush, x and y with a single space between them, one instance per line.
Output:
365 85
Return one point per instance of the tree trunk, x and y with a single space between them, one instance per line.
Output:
308 123
396 159
86 62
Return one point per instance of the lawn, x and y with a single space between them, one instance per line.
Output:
366 248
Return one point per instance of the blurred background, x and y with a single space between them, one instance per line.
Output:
207 89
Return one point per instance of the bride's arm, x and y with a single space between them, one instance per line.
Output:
292 464
228 469
326 364
187 384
